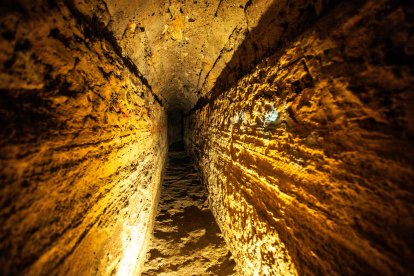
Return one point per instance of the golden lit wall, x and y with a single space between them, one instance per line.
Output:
308 159
83 144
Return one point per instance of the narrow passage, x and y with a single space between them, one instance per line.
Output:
186 238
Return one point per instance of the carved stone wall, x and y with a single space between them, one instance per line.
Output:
308 159
83 143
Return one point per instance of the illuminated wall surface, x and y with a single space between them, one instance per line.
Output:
308 159
299 116
82 150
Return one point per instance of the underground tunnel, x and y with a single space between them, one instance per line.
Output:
206 137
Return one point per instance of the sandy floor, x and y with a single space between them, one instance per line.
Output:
186 239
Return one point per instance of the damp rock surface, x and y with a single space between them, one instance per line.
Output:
186 239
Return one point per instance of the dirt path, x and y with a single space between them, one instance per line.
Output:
186 239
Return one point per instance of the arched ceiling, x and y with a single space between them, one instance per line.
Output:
175 44
182 46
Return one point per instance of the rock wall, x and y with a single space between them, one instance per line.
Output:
82 147
308 159
183 46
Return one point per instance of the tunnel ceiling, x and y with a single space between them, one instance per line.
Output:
182 47
176 44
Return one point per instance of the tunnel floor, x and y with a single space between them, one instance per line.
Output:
186 238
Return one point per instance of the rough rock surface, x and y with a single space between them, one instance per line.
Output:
307 155
182 47
186 238
82 147
308 159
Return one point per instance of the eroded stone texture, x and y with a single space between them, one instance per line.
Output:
308 159
182 47
82 147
